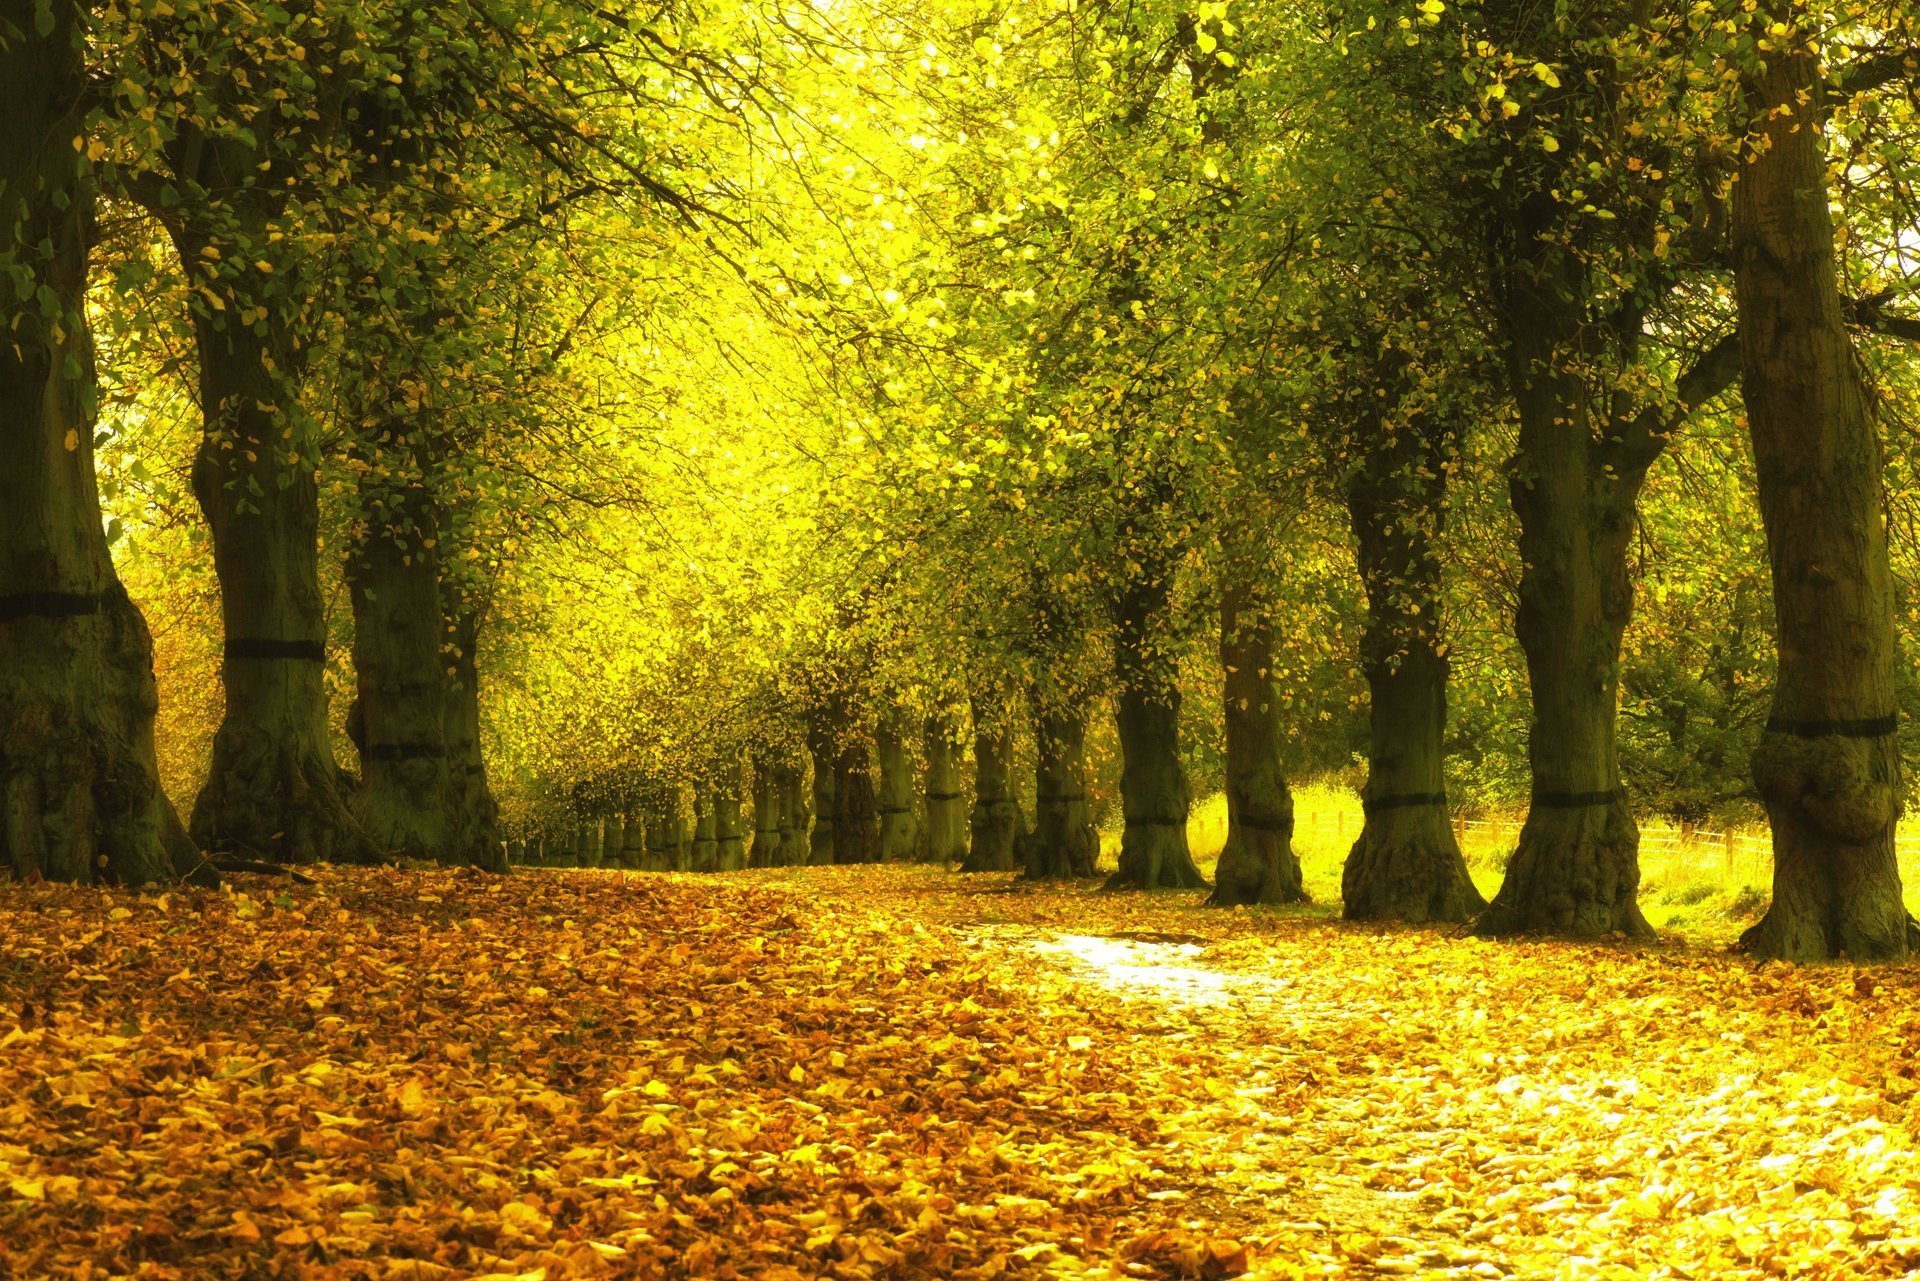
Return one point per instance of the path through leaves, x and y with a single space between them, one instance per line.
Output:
894 1072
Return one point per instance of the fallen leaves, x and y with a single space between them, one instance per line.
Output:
891 1073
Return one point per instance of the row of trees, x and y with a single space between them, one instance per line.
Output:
1000 346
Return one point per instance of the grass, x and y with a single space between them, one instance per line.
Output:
1702 885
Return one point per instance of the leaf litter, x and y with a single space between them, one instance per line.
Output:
895 1072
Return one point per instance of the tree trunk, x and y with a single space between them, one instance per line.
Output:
1407 864
1257 863
272 790
80 796
765 850
899 824
729 849
794 818
856 820
826 807
1153 784
406 802
477 831
1828 766
663 834
944 838
1064 842
1576 870
704 852
633 849
997 824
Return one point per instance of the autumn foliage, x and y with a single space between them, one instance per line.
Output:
892 1072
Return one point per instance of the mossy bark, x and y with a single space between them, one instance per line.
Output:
899 819
633 849
80 796
944 833
1406 864
1064 842
703 853
794 816
1154 797
1828 766
729 844
1574 482
766 850
821 746
1257 862
856 819
663 834
477 826
996 825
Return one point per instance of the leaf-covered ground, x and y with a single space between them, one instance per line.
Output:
896 1072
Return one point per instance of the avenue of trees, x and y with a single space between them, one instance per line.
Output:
696 436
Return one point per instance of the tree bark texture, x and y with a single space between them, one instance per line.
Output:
1406 864
704 853
899 819
856 819
1827 766
1154 797
822 746
997 825
729 846
943 838
794 816
1576 870
1257 862
1064 842
80 796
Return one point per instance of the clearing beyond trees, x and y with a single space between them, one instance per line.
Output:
899 1072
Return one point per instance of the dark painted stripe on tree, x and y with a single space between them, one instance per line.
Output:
1876 727
58 604
261 647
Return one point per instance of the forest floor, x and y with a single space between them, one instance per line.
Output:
886 1072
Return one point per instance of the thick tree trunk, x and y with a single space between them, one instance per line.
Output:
856 819
477 831
633 849
826 807
729 847
899 822
663 834
943 837
794 818
1153 784
80 796
1064 842
1576 870
1407 864
704 852
272 790
407 802
1257 863
1828 767
766 848
997 825
613 847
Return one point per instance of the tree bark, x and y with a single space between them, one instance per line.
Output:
1257 863
272 790
477 829
704 852
1407 864
1576 870
899 823
944 837
633 850
856 819
821 746
80 796
1828 767
997 824
406 802
794 818
1153 784
729 848
663 833
1064 842
766 849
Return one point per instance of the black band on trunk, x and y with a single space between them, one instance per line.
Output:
1405 800
261 647
896 809
1065 798
1877 727
945 796
58 604
403 751
1264 824
1156 822
1573 800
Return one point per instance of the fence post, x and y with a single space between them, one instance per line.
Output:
1729 840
